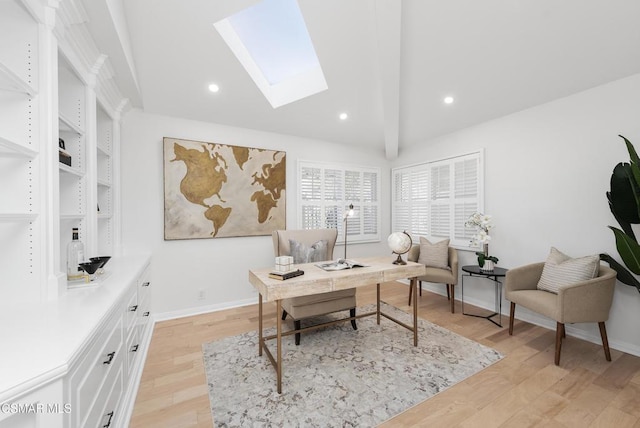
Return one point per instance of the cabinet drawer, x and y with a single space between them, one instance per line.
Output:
103 360
102 414
133 349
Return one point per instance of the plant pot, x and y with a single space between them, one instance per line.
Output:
488 266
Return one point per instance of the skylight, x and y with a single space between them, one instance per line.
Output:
271 41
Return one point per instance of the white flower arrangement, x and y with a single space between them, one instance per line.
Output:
483 223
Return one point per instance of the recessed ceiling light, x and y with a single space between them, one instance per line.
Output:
214 88
448 100
343 116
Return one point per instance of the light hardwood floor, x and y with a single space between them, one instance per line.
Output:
524 389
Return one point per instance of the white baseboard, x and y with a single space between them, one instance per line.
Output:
165 316
536 319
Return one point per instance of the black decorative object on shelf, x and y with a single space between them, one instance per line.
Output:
64 157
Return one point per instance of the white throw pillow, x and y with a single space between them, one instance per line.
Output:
434 255
302 253
560 269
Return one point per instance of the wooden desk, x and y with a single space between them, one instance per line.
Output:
315 281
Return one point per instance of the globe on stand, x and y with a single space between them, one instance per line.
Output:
400 243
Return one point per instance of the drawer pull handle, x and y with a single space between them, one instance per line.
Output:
133 308
146 314
146 284
111 355
110 414
134 348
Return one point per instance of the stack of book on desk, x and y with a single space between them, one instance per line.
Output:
286 275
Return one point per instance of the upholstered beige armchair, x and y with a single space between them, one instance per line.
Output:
316 304
448 276
583 301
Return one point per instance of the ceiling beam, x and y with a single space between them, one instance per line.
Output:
388 20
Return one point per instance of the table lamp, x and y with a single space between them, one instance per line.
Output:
349 213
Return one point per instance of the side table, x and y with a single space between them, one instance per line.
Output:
493 275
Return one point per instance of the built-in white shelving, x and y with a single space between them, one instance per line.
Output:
75 193
55 84
104 171
52 96
20 156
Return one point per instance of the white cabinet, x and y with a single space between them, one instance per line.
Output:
89 370
93 376
101 384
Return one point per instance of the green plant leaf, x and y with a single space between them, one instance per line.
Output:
623 273
623 201
635 170
628 249
632 151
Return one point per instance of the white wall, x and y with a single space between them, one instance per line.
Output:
546 173
218 266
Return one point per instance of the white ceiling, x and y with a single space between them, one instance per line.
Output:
388 63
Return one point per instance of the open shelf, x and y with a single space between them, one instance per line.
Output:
17 217
69 170
71 216
103 152
103 183
10 148
66 125
10 81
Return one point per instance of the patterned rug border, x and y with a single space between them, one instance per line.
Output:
394 375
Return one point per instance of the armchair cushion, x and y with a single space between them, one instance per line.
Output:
434 255
560 269
302 253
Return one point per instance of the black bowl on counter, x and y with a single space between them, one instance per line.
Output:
90 267
101 259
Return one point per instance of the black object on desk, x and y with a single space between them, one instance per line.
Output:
493 275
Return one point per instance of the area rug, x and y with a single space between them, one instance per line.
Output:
337 376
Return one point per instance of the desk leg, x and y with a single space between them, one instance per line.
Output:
279 344
260 324
378 303
414 286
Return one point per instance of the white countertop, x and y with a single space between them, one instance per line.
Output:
38 342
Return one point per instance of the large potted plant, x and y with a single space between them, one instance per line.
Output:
624 202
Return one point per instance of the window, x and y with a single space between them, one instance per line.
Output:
325 192
435 199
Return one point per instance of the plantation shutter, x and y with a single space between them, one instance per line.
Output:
466 195
435 199
327 190
440 195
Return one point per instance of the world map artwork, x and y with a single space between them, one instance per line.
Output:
216 190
